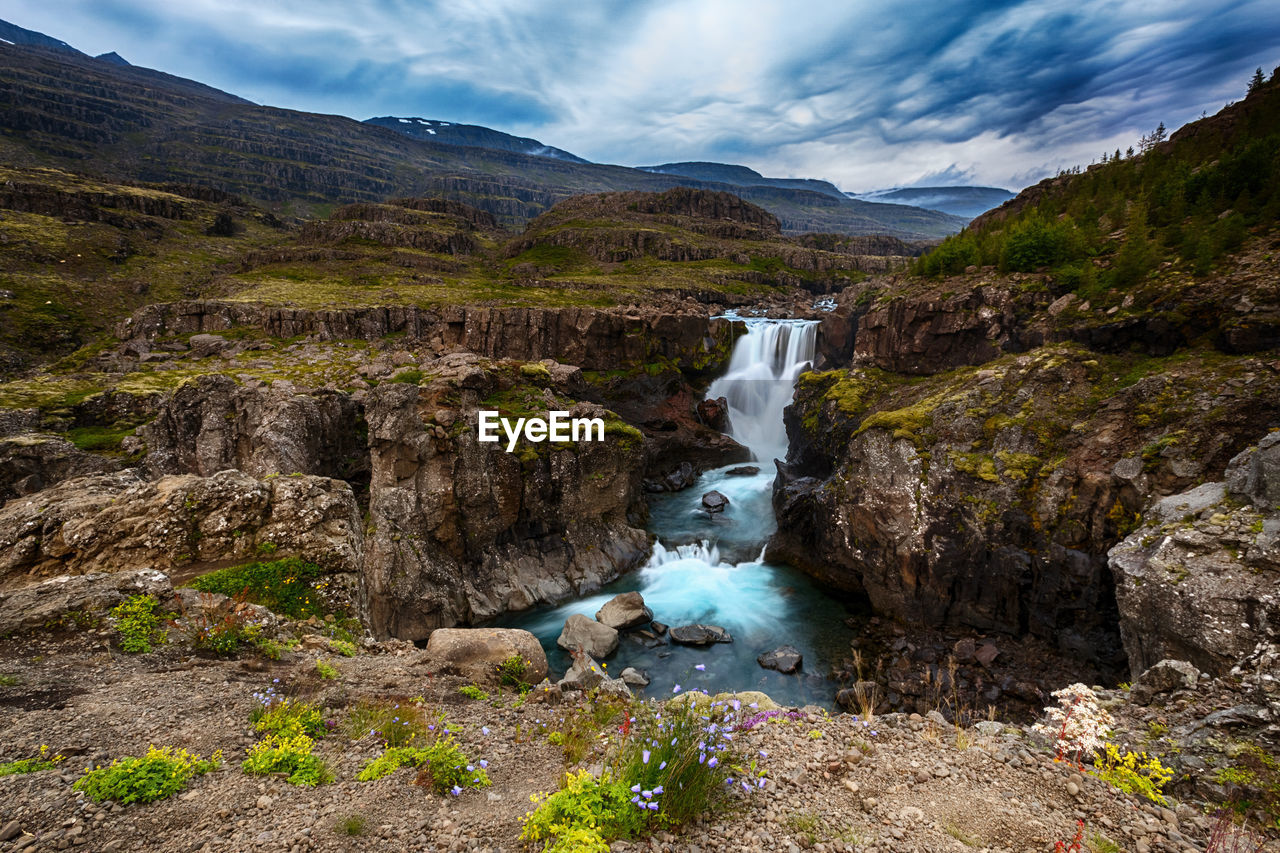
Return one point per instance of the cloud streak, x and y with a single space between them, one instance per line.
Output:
865 94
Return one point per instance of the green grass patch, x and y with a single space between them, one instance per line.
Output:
285 586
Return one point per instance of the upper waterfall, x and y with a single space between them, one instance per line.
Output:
760 381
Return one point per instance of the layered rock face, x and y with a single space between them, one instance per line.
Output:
178 524
213 423
1200 579
461 531
988 497
33 461
588 338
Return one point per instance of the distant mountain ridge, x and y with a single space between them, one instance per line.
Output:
470 135
958 201
741 176
62 108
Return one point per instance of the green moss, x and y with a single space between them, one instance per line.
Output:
1019 466
975 465
909 422
97 439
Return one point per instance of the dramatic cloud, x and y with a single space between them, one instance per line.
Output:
867 94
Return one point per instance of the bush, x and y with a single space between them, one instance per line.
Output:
138 621
1133 773
512 672
43 761
585 815
1035 242
285 586
158 774
443 766
289 754
287 718
326 670
473 692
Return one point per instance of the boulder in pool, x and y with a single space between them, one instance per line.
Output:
743 471
714 501
588 636
700 635
624 611
785 659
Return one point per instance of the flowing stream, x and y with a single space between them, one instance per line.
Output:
710 569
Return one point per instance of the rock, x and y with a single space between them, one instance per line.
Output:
700 635
743 471
264 802
10 831
31 462
936 718
465 531
678 478
659 628
614 687
989 728
476 652
1255 473
623 611
587 636
786 659
1165 677
986 653
634 677
583 674
714 502
110 522
714 413
34 605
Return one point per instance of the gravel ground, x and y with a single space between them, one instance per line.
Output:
896 783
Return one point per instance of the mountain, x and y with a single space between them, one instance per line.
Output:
65 109
959 201
741 176
14 34
113 57
471 136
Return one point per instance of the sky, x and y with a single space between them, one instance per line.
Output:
867 94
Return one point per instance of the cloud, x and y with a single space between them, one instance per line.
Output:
866 94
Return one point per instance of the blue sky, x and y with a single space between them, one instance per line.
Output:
864 93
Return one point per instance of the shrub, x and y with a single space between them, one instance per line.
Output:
289 754
512 672
344 648
326 670
394 723
1133 773
1077 724
287 718
138 621
442 766
158 774
585 815
30 765
473 692
353 825
285 586
1035 242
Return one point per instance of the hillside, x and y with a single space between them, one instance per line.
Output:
741 176
471 136
959 201
66 110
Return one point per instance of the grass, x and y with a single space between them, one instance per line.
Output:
352 825
9 680
285 586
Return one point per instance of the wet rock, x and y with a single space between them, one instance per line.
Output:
743 471
681 477
786 659
34 605
477 652
587 636
700 635
714 413
623 611
1165 677
714 502
635 677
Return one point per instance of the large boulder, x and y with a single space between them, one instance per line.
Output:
40 603
477 652
581 634
785 659
700 635
623 611
1165 677
119 522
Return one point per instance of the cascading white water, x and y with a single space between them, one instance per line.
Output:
711 568
760 381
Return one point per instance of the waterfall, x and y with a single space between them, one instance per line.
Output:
760 380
